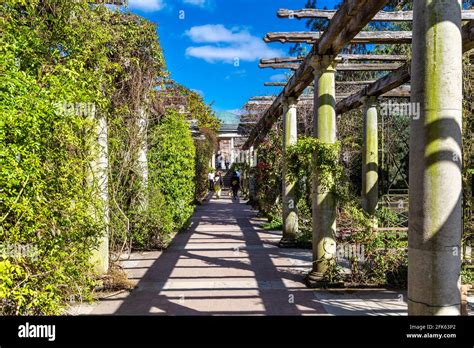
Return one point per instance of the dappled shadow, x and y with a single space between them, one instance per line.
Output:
237 271
223 265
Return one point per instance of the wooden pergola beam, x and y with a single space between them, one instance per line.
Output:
343 57
365 37
393 80
340 67
291 66
338 83
399 92
374 57
382 16
349 20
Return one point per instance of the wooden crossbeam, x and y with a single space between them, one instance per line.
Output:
399 92
340 67
365 37
351 17
279 66
281 60
382 16
343 57
374 57
338 83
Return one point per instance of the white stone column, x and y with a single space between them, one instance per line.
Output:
370 157
435 215
324 204
100 257
143 157
290 213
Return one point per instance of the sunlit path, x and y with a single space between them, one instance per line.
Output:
225 264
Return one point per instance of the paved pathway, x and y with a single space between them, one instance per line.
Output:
225 264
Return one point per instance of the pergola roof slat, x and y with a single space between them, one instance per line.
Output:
343 57
365 37
352 17
340 67
382 16
340 83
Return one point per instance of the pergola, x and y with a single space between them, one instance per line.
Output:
438 40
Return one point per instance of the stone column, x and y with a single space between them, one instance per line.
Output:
370 163
142 162
232 151
324 205
435 215
100 256
290 213
213 160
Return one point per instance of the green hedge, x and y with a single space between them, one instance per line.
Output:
171 160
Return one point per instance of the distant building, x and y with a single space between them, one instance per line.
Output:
229 141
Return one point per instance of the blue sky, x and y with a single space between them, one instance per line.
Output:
213 46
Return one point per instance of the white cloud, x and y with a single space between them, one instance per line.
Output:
278 78
200 3
229 45
211 33
146 5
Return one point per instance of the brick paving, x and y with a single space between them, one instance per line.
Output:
225 264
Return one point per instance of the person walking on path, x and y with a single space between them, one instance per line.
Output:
210 178
235 184
218 183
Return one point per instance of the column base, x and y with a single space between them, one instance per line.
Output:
286 242
315 280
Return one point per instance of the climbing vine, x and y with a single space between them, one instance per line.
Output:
311 155
51 74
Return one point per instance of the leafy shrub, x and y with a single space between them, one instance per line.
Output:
171 161
204 151
47 200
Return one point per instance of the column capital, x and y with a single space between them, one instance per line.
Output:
290 102
326 63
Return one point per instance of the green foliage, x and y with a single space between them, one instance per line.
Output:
268 175
385 258
153 226
47 201
137 64
467 275
311 155
275 224
171 161
204 151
